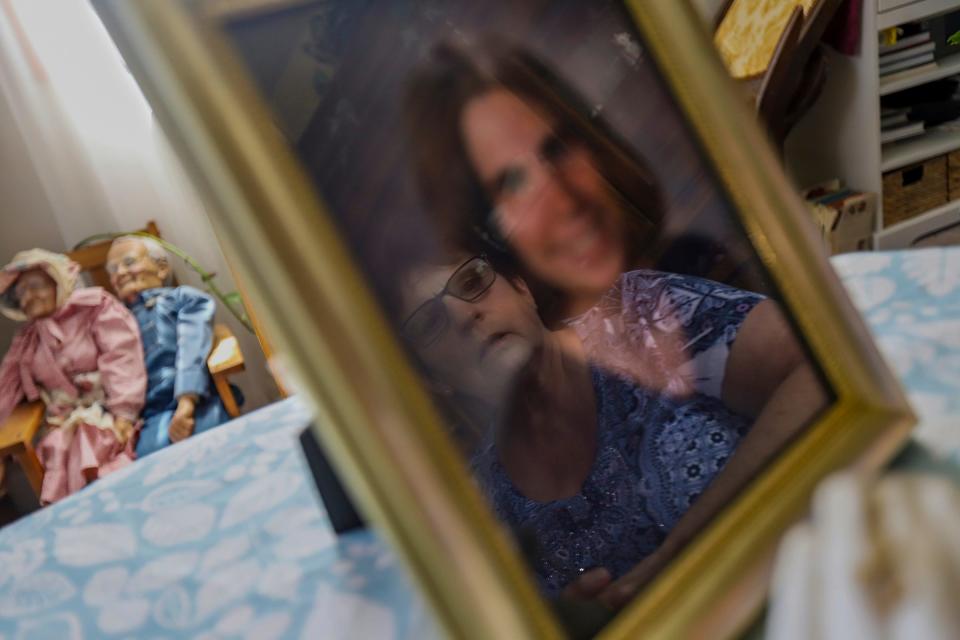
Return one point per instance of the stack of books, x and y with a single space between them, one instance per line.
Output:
844 217
908 56
895 124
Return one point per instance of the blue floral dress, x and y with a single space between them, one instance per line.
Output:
666 331
658 447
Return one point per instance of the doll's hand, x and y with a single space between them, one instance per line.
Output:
181 425
123 427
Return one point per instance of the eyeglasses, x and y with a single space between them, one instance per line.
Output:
127 261
468 283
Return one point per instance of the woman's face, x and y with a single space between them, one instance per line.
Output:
36 293
552 205
476 347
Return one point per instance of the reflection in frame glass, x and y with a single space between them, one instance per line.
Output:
326 289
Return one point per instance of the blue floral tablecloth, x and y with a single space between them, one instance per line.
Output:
223 535
220 536
911 302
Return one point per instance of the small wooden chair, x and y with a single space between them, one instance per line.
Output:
18 431
16 441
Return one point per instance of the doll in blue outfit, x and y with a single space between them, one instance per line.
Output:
176 327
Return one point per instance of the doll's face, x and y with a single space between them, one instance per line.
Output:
36 293
132 269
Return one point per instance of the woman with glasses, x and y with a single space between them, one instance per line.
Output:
510 160
590 467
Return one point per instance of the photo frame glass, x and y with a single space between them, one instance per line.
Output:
557 256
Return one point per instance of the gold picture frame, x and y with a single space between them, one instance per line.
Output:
374 415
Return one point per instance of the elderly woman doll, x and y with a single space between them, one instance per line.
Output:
79 352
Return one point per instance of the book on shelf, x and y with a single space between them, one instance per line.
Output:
896 76
908 130
909 52
904 43
909 63
833 195
821 189
886 112
893 120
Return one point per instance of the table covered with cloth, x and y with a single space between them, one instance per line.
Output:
223 535
220 536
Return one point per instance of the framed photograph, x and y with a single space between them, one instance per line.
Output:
569 334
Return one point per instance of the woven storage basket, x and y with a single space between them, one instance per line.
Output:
953 175
912 190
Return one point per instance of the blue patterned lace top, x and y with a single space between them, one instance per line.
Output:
666 331
657 450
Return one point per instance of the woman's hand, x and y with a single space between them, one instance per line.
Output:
581 613
617 594
181 425
594 595
597 584
793 404
588 585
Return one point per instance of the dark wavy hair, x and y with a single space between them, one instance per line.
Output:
440 88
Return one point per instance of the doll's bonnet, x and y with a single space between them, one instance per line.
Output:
59 267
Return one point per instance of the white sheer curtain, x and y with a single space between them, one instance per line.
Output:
55 152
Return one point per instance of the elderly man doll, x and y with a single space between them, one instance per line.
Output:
175 324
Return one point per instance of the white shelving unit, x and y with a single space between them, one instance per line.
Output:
840 135
934 142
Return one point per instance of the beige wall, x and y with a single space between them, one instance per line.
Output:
26 215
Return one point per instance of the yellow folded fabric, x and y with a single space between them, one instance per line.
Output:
749 32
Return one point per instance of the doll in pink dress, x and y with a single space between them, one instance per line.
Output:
79 352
